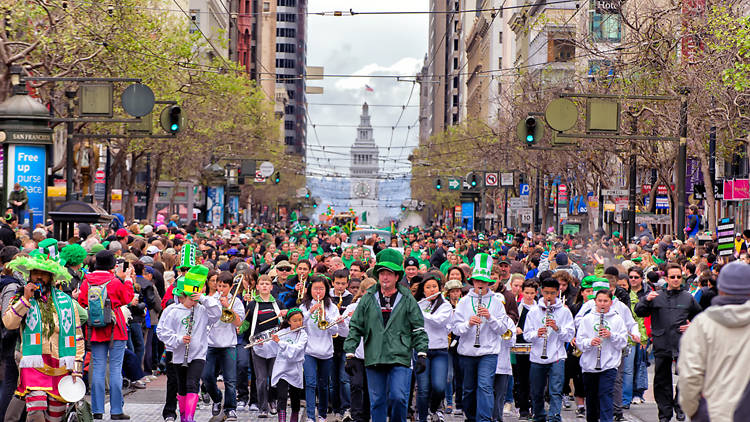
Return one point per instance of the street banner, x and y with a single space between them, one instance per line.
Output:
27 166
215 205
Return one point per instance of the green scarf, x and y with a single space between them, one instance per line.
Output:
31 345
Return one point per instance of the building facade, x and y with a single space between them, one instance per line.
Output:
364 169
212 18
291 53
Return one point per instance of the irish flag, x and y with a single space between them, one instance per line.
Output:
70 341
36 339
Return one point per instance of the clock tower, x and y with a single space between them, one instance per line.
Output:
364 169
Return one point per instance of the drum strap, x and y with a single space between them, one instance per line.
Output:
255 316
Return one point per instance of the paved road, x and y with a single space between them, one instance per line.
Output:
145 406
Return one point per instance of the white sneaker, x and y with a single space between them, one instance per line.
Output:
346 417
309 420
508 409
321 419
254 407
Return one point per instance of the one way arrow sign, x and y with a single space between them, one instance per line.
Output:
454 184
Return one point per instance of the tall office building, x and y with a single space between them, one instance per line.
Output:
291 53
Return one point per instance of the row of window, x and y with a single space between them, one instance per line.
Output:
287 3
286 32
286 48
286 63
286 17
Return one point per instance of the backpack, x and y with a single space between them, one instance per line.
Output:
100 306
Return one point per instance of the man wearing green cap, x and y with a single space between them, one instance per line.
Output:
390 322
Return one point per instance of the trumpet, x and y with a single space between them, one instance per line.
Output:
301 292
227 314
322 323
507 335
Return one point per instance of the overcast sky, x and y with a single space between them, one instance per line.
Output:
364 45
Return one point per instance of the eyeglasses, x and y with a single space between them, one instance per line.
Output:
674 276
284 269
635 277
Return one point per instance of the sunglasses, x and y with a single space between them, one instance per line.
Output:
674 276
635 276
284 269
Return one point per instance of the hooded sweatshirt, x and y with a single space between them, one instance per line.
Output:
289 358
611 346
437 323
173 326
224 334
120 294
503 358
619 308
713 352
320 342
555 339
489 330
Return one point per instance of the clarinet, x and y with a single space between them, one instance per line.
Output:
546 335
599 348
476 339
189 331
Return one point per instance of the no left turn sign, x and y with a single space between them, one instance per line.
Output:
490 179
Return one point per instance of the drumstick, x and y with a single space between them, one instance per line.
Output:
268 320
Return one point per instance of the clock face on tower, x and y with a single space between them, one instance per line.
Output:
362 190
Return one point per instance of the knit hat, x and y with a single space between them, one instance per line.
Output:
453 284
588 281
105 260
192 282
734 279
411 262
561 258
73 254
187 256
482 269
600 284
389 259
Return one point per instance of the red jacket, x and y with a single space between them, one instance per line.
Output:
119 293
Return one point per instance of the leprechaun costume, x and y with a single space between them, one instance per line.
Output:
51 336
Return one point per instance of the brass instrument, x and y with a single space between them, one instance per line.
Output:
301 292
322 323
507 335
227 314
546 335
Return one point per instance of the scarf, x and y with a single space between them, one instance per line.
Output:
31 346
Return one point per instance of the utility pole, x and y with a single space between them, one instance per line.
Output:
69 94
537 220
682 164
633 175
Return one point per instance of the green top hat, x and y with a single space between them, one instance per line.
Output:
482 268
389 259
187 256
192 282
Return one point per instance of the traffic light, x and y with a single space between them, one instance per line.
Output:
530 130
472 180
307 195
276 178
171 118
438 184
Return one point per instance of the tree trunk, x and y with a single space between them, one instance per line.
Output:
156 165
710 200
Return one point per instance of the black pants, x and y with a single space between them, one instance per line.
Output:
189 377
666 398
573 371
9 381
521 386
360 395
458 378
170 401
599 395
284 390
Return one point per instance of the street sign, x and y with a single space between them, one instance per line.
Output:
516 203
259 178
506 179
526 215
524 189
614 192
725 235
454 184
490 179
301 192
266 169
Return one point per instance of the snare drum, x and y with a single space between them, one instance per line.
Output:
521 348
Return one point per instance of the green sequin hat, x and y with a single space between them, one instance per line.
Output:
192 282
482 268
187 256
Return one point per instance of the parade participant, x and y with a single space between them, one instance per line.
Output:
523 365
453 291
437 313
360 400
637 384
548 327
601 337
411 269
479 320
288 288
503 373
319 312
288 365
52 344
391 324
510 303
714 348
341 392
263 315
222 353
107 339
671 312
573 361
183 329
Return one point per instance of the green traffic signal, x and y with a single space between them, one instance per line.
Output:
530 124
171 118
276 178
438 184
